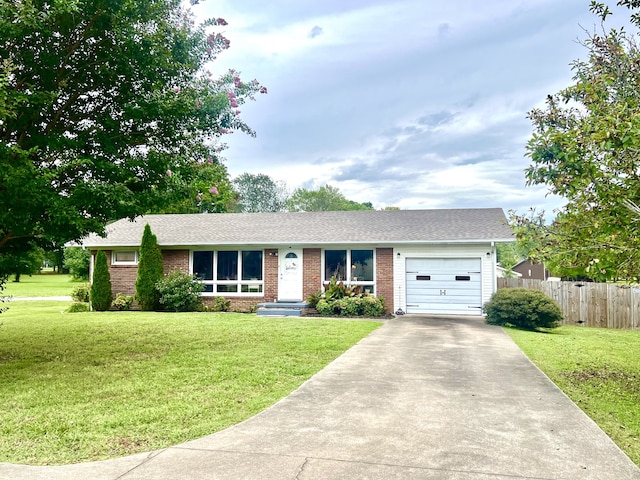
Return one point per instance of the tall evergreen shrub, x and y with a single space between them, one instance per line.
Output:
100 294
150 271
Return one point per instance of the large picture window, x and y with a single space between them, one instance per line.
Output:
229 272
353 267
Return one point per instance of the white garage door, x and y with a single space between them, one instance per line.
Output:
444 286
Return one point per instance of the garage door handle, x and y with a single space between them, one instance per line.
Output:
412 305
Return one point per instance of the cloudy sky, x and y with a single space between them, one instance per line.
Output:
406 103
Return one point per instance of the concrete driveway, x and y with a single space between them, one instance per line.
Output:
420 398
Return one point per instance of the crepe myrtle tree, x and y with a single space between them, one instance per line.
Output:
585 148
106 111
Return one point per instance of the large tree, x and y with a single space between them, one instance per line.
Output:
585 147
325 198
260 193
106 111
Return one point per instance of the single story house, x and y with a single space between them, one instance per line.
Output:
420 261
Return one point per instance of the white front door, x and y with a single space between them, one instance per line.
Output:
290 274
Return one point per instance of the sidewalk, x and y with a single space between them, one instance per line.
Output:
420 398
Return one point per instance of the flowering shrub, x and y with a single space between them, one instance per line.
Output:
122 302
220 304
80 293
180 292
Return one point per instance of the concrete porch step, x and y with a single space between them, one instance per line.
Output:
281 309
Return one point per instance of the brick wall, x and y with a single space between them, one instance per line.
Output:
175 260
384 276
270 275
311 271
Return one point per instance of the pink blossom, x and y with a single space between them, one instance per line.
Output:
176 89
233 103
169 173
209 50
237 81
237 112
224 130
221 21
198 197
231 95
213 191
210 160
263 90
211 39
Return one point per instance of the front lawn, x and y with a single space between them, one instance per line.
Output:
87 386
599 369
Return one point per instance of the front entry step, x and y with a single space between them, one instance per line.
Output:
282 309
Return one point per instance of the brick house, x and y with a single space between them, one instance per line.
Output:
420 261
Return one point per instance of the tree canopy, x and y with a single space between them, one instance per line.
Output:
260 193
585 147
325 198
106 111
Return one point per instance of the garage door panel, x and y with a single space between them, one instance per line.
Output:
444 285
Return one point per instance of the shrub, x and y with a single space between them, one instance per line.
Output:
314 298
324 308
358 305
179 292
77 307
522 308
150 271
100 293
76 260
122 302
372 306
220 304
80 293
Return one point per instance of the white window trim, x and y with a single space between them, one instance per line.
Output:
115 262
251 284
349 282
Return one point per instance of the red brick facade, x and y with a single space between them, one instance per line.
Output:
384 276
123 277
311 271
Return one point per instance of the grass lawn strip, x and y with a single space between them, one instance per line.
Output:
88 386
599 369
42 285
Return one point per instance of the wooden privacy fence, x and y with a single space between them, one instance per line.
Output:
604 305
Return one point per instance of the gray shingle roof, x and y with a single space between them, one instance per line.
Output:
308 228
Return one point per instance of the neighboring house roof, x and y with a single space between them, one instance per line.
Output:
367 226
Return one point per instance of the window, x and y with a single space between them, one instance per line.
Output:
229 272
354 267
124 257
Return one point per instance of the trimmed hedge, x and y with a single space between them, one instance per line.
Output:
522 308
100 294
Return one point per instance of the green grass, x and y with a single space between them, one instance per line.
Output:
599 369
88 386
42 285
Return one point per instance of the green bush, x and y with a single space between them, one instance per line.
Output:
324 308
180 292
372 306
100 293
76 260
150 272
314 298
122 302
220 304
77 307
80 293
522 308
359 305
